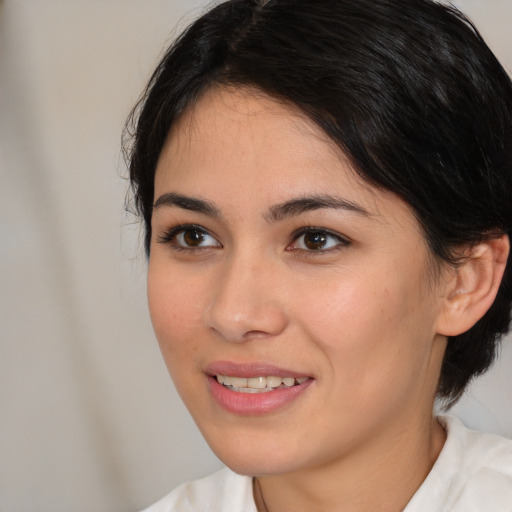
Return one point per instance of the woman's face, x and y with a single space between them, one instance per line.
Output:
273 264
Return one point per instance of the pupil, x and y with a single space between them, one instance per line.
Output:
193 237
315 240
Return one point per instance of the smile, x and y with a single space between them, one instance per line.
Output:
250 390
258 384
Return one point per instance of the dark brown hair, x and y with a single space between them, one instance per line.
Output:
408 90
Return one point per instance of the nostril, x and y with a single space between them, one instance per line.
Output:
266 324
256 334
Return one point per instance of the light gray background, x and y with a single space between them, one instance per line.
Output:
89 421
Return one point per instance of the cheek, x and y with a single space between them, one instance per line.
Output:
370 329
175 310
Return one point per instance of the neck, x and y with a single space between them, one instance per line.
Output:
382 476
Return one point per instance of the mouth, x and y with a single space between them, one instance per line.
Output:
255 388
258 384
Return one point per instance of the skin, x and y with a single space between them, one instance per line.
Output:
360 316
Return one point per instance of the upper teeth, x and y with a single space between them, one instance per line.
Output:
259 383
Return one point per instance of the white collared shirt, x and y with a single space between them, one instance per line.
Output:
473 473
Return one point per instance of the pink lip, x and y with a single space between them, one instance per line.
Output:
251 404
250 370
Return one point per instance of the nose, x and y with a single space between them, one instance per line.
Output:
247 301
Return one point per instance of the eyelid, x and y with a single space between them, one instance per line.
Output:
169 237
343 240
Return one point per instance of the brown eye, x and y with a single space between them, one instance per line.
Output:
315 240
189 237
193 237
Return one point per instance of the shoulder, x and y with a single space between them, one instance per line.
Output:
478 452
485 476
472 474
221 491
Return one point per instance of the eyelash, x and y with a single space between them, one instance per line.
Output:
170 236
341 241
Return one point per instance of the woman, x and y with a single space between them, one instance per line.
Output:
325 187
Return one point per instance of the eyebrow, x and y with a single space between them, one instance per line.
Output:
275 213
309 203
187 203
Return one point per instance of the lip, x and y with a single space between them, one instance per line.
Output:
252 404
248 370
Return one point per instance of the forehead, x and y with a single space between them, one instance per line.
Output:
243 119
243 142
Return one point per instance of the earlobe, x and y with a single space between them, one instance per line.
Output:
472 286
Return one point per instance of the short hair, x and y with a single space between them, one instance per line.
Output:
408 90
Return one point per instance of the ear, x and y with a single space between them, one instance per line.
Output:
472 286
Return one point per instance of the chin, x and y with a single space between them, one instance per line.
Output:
255 455
259 464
